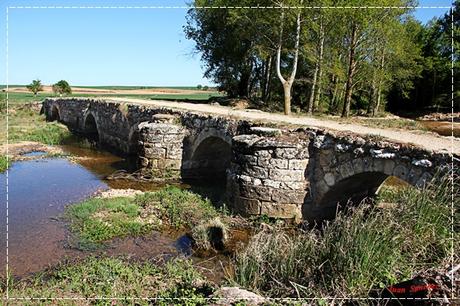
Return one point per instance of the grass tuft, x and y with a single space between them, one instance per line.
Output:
3 163
115 277
97 220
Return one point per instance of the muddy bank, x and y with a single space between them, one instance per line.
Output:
443 128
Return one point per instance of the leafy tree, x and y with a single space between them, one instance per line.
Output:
62 88
35 86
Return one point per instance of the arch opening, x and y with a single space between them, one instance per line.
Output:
353 190
90 128
209 161
54 115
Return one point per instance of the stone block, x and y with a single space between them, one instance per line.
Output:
298 164
265 131
401 172
288 196
172 164
343 158
303 152
264 162
256 172
293 185
263 153
414 175
278 163
358 165
150 137
256 192
247 206
155 152
346 170
288 153
173 138
388 167
174 152
327 158
271 183
378 165
247 159
287 175
280 210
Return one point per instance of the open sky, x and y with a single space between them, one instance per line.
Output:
108 46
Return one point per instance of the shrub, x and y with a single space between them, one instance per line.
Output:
35 86
62 87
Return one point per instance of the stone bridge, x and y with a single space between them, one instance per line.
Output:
280 172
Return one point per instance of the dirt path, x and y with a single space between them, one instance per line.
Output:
425 140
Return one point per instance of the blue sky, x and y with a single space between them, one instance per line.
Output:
108 46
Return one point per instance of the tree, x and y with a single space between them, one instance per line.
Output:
35 86
287 83
62 88
226 46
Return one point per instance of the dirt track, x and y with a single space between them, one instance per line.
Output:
426 140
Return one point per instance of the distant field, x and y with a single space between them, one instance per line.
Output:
19 93
127 87
23 97
141 87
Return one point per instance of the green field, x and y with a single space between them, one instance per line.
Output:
22 98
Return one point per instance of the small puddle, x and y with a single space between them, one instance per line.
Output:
39 190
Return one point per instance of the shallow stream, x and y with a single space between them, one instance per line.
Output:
38 192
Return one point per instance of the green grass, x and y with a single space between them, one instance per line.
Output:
115 277
3 163
97 220
384 123
365 248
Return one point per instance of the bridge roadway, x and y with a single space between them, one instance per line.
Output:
426 140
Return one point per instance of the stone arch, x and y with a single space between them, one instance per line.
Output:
353 180
55 114
208 156
90 127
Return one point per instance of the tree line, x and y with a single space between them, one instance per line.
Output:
326 60
61 88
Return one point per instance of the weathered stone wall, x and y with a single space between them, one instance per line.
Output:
275 172
349 166
268 174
